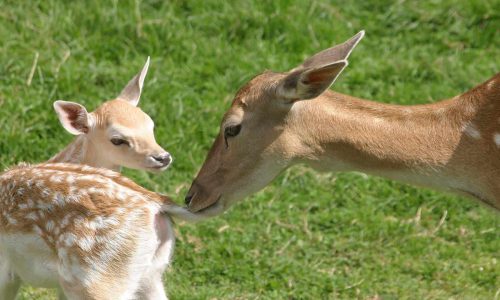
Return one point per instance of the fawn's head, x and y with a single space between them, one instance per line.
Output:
119 132
257 139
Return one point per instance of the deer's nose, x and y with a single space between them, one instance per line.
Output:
188 198
164 158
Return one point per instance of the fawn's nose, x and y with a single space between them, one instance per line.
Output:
163 158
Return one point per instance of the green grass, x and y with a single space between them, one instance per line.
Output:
307 236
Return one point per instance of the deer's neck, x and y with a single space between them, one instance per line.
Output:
83 151
442 145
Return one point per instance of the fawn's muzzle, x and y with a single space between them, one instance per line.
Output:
163 158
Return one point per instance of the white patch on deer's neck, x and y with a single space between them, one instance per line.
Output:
472 131
490 85
496 138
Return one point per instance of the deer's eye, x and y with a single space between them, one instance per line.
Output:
232 131
119 141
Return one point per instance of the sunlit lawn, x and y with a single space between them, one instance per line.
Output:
307 236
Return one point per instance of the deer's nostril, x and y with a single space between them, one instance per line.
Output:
188 199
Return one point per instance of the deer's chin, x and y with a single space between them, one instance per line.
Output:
215 208
212 210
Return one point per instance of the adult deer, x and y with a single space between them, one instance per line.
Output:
90 232
116 134
280 119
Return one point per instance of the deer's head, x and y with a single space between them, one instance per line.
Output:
258 137
118 132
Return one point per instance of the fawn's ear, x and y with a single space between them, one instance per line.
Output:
132 91
318 72
73 117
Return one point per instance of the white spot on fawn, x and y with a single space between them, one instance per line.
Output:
86 243
59 200
65 221
32 216
40 185
78 221
45 193
96 224
70 179
49 226
45 206
496 138
68 239
57 178
472 131
122 196
11 220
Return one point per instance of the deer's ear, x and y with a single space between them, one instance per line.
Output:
318 72
309 83
333 54
73 117
132 91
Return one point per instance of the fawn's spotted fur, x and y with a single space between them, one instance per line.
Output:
91 232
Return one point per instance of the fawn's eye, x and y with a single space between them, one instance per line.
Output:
232 131
119 141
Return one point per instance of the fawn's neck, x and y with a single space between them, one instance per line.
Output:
83 151
442 145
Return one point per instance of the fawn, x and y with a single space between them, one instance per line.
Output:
90 232
47 206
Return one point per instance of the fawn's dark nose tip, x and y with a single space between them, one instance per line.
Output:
188 199
163 158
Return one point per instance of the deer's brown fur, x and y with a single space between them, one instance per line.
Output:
292 117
